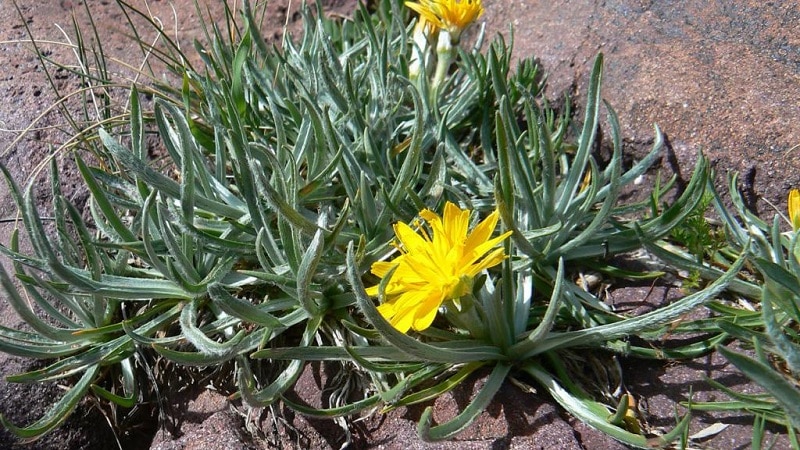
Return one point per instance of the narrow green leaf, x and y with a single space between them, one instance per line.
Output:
786 348
100 197
53 294
207 346
586 140
21 308
241 309
130 392
329 413
413 154
159 181
58 413
468 414
603 333
779 275
588 411
182 263
41 349
137 124
784 391
279 205
103 354
447 385
372 353
306 273
541 331
285 379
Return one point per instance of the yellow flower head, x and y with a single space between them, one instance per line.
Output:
432 269
454 16
794 208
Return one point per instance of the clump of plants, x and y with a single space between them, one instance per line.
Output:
762 326
374 193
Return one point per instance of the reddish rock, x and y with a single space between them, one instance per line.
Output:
720 76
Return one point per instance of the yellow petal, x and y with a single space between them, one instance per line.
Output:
387 310
381 268
482 231
425 11
404 309
794 208
411 240
478 252
426 311
493 259
372 291
456 223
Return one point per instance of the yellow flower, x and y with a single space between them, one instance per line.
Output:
794 208
432 269
451 15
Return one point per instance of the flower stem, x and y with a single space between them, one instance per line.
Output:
445 53
466 317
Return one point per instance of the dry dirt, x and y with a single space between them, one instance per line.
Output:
721 76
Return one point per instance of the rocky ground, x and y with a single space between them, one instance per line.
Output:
718 76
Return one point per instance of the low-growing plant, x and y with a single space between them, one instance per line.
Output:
336 199
768 349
